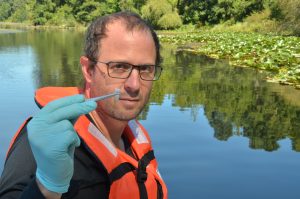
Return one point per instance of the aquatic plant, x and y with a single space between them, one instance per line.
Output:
278 54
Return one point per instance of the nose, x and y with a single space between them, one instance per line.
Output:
132 83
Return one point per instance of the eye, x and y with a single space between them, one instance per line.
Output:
147 68
119 67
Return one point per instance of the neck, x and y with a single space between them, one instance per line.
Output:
111 128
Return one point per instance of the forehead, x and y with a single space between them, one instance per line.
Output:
123 43
121 26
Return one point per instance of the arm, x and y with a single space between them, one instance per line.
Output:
46 166
53 139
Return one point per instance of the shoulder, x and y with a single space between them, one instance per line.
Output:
20 166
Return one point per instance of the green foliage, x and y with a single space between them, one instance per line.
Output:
128 5
43 11
276 12
5 10
288 15
89 10
131 5
224 10
257 22
169 21
19 16
161 14
197 12
274 53
155 9
244 8
20 10
63 16
215 11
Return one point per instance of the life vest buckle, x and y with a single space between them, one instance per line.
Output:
141 172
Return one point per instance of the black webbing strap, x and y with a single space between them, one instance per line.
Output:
160 193
141 177
142 174
120 171
148 157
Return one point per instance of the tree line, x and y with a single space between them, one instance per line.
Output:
162 14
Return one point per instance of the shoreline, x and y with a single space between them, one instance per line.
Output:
26 26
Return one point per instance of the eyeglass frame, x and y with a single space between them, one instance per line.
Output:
133 66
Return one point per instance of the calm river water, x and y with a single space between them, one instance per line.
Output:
218 132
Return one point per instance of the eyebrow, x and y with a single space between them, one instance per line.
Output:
125 62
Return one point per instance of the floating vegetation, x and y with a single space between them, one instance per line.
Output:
277 54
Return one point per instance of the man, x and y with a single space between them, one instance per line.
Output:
75 148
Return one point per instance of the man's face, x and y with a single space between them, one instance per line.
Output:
135 47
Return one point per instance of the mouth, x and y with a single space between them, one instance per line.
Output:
129 99
129 103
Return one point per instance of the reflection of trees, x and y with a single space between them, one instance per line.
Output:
58 55
223 128
234 102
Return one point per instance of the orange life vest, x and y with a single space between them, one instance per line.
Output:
129 178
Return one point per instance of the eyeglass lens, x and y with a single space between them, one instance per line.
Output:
123 71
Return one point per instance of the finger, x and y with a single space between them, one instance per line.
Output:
61 126
71 112
62 102
68 140
71 139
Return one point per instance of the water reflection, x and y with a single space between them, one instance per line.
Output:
236 101
57 53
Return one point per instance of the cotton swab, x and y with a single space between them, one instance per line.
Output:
116 94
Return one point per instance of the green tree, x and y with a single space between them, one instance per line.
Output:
215 11
224 10
91 9
19 11
169 21
63 16
243 8
161 14
197 12
128 5
5 10
288 15
43 11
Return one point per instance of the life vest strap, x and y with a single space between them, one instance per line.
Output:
143 163
160 193
126 167
142 174
120 171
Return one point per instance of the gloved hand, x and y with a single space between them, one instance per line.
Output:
53 140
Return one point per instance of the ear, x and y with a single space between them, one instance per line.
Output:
86 71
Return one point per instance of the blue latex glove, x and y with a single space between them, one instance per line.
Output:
53 140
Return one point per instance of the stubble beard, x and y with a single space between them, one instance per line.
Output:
112 111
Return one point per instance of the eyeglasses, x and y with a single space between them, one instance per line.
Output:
123 70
